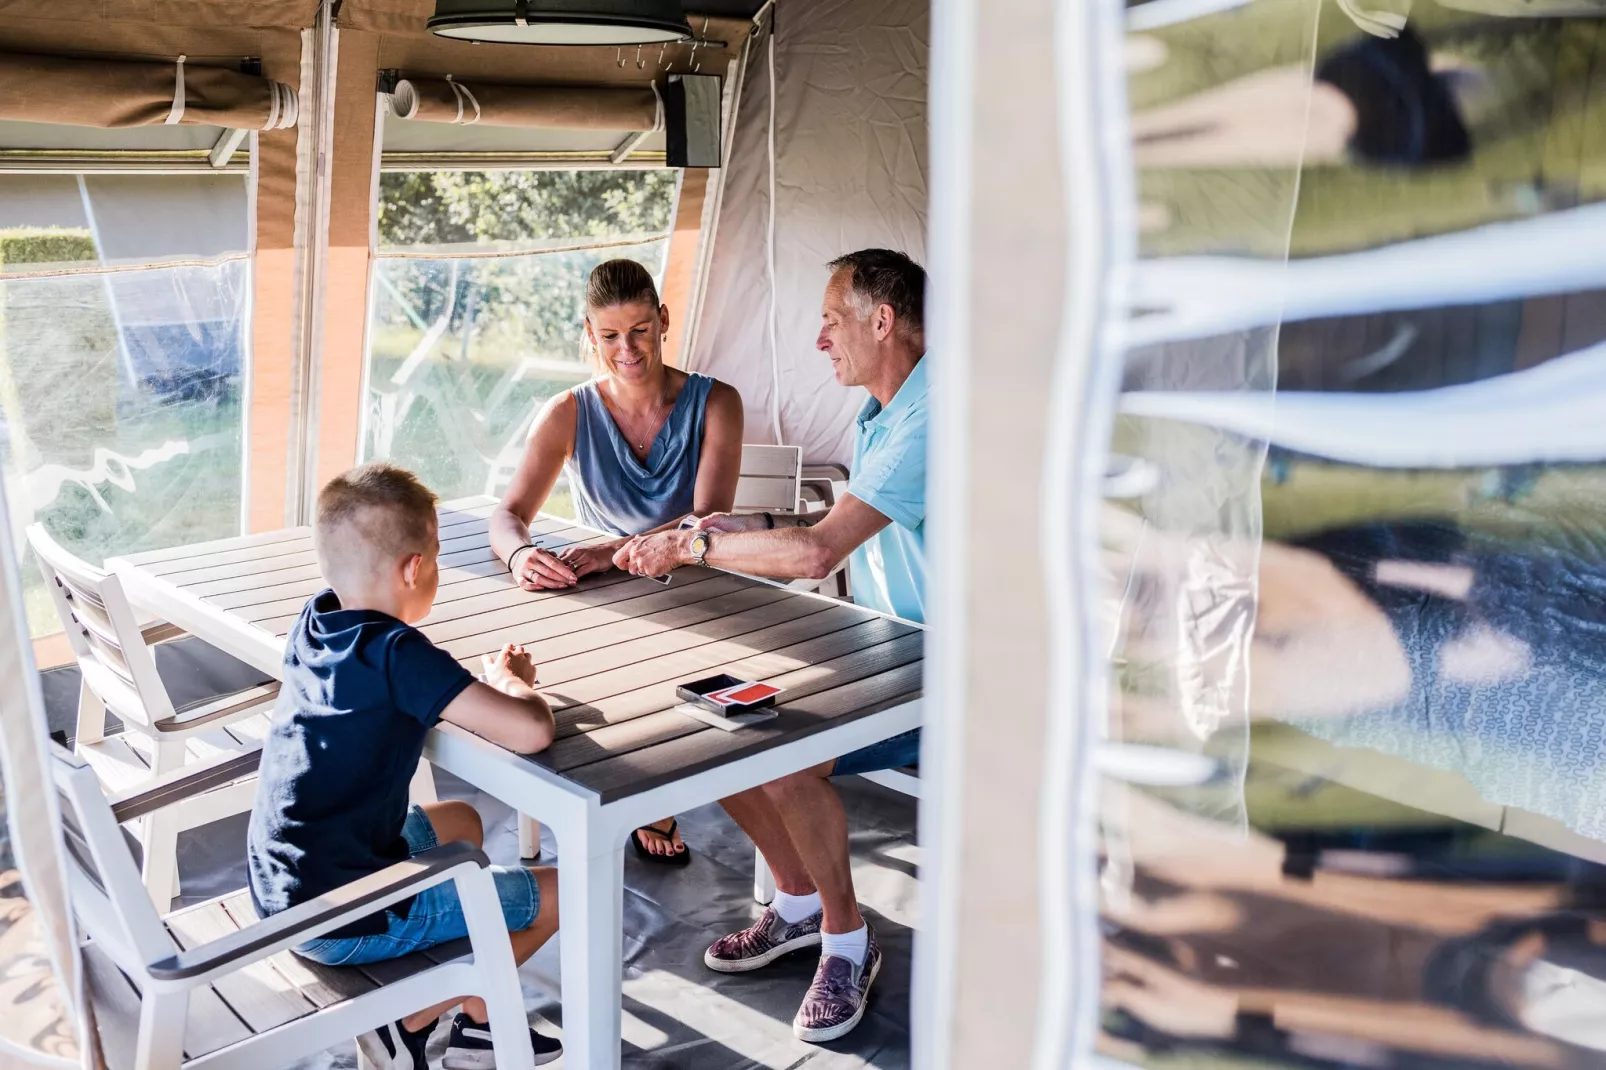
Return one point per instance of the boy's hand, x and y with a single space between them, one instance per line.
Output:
512 662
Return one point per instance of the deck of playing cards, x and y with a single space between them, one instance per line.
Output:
725 693
735 716
745 694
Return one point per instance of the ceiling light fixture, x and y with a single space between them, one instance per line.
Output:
561 22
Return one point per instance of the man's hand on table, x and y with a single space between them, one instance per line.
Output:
655 555
536 569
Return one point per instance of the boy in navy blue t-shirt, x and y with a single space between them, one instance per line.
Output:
361 689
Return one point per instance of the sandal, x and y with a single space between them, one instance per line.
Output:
681 857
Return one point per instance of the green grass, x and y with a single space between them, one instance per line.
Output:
1564 509
189 498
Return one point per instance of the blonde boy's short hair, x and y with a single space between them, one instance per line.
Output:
371 515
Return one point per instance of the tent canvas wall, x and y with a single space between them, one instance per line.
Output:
850 166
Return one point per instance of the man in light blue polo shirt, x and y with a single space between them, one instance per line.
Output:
874 334
889 475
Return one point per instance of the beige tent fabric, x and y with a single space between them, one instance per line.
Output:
200 14
850 143
108 93
561 108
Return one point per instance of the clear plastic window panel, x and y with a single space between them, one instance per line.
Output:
124 320
1355 540
478 307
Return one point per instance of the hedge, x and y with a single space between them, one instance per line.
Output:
48 245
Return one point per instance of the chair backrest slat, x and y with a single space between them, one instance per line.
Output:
87 607
77 846
100 625
110 654
108 896
770 479
116 692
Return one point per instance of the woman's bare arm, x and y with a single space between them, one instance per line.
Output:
720 463
550 443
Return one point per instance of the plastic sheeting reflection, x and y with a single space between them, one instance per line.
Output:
1369 572
462 352
122 407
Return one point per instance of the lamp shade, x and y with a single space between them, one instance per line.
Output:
561 22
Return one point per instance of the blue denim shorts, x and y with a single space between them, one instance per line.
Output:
893 753
434 916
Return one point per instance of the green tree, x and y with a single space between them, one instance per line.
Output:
449 409
536 298
452 207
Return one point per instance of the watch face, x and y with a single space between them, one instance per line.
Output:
699 543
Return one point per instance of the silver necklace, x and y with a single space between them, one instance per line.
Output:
655 417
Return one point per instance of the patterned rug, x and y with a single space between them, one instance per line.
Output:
31 1009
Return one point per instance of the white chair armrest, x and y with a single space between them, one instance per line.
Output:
200 964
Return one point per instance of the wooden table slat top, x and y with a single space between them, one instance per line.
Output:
610 650
581 741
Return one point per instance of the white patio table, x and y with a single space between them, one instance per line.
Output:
610 652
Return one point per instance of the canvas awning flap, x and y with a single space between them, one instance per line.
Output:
123 93
101 23
447 100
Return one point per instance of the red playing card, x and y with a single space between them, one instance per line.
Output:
747 693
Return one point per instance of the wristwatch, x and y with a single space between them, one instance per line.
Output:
699 546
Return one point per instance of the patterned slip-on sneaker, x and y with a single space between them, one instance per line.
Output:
761 943
836 1000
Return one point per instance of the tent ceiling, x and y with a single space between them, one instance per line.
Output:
414 52
411 49
410 16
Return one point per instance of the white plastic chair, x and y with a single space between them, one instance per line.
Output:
119 675
213 987
770 480
773 480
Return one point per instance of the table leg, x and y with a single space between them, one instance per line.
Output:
763 880
591 918
529 839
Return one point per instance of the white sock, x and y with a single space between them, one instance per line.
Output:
794 908
851 946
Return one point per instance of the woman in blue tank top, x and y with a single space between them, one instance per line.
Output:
643 445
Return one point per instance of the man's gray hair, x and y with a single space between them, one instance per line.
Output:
886 277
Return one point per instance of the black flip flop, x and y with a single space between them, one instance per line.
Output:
680 858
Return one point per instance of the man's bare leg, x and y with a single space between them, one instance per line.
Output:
817 828
755 812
